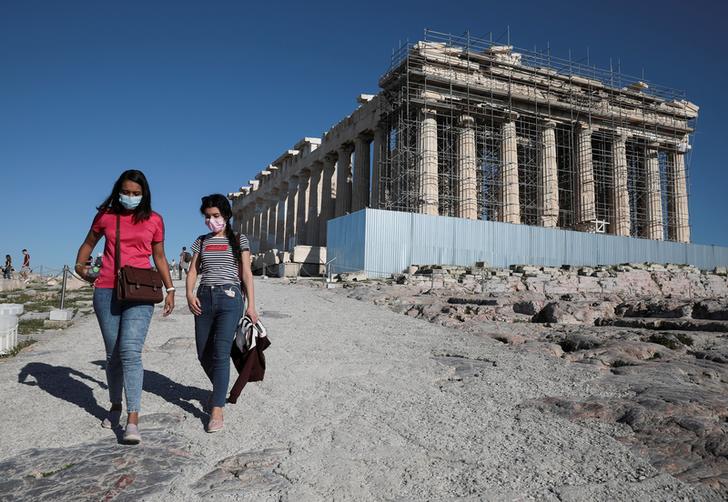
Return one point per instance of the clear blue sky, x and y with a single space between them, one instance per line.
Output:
202 95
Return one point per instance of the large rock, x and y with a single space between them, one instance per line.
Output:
670 308
73 282
357 276
711 309
10 284
581 312
258 265
270 257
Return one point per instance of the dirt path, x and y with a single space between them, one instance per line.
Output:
359 403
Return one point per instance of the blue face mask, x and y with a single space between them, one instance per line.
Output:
129 202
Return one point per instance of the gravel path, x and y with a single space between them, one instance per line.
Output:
359 403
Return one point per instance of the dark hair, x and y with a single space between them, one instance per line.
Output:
144 210
222 204
25 250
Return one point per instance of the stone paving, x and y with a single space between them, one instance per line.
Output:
359 403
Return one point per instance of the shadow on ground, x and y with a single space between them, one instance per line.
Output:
63 383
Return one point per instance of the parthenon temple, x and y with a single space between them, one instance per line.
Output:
470 128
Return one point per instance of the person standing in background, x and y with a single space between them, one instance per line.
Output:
184 261
25 269
8 268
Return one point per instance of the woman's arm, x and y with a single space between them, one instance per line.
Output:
248 283
92 238
192 301
160 261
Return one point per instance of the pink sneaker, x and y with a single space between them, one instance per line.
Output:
215 425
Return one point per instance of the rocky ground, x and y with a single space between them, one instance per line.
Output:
359 403
657 336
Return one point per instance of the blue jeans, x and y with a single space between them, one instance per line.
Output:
124 328
214 332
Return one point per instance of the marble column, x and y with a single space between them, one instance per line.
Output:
548 186
258 219
343 180
654 193
314 204
621 224
585 209
292 217
272 221
510 208
361 175
466 189
328 195
240 223
247 221
379 144
302 211
427 160
679 226
282 215
244 220
264 216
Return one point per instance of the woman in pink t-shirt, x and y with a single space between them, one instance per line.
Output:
124 326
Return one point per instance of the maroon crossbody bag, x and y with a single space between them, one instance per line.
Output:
134 284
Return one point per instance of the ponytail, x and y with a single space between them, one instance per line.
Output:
234 241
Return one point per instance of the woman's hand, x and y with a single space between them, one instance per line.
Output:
82 272
168 304
194 304
250 312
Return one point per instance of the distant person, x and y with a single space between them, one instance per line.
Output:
184 261
25 268
173 265
124 326
223 259
8 268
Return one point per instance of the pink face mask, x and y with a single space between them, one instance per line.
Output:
215 224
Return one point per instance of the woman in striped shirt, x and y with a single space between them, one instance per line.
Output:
222 259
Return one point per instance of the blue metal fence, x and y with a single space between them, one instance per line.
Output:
385 242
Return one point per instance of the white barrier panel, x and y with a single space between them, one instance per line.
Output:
8 333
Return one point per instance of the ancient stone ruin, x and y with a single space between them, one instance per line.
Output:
473 129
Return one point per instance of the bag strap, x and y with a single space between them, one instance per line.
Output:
117 251
199 258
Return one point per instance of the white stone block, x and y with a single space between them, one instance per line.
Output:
284 270
61 315
309 254
11 309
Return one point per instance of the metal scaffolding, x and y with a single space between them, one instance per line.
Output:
597 116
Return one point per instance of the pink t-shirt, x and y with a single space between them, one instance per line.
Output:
136 243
